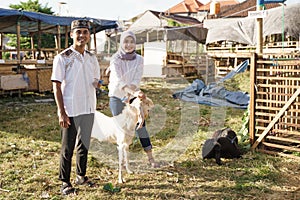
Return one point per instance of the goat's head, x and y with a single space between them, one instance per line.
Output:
143 107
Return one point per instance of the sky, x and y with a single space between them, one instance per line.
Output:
107 9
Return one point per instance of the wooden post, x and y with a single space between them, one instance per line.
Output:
259 25
1 45
39 40
108 45
32 46
147 38
58 39
95 39
18 40
66 37
252 97
116 33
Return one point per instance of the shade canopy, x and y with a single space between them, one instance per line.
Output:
32 22
243 30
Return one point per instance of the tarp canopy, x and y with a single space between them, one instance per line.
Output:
243 30
196 33
31 21
152 34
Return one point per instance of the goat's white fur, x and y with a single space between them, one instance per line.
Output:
121 129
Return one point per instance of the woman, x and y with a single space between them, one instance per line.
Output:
126 70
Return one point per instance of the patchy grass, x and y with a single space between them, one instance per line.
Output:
30 146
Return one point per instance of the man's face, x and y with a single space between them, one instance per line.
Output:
81 36
128 44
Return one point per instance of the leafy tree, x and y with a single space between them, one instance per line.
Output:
33 6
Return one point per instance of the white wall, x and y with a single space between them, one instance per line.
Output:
154 55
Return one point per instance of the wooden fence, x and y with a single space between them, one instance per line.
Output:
275 104
190 66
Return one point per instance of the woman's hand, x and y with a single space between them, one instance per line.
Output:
140 94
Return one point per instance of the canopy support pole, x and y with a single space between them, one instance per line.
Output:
66 37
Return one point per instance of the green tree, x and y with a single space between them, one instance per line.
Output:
47 40
33 6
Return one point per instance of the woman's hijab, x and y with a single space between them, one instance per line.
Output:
121 52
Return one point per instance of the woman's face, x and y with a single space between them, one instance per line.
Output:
128 44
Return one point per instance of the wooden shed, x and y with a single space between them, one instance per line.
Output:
34 73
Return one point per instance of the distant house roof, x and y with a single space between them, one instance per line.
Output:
186 6
223 3
181 19
162 15
241 9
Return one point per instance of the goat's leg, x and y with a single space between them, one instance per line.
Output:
126 150
120 151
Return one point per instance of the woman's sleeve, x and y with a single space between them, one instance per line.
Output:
139 73
116 73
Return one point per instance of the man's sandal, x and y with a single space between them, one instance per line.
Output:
67 189
84 181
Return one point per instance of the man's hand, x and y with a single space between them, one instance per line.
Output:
64 120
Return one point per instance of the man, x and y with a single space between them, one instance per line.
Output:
75 77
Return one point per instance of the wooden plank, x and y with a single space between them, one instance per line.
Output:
13 82
273 101
287 132
280 113
174 66
272 93
279 146
267 108
281 70
262 120
279 62
264 114
277 86
278 78
278 138
279 154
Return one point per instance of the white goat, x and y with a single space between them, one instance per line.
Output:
121 129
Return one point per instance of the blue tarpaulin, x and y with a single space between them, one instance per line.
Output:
214 94
32 22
